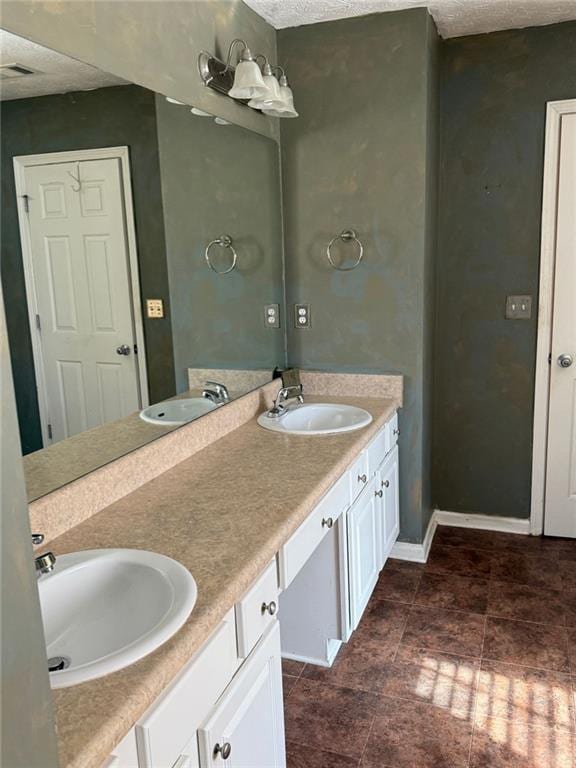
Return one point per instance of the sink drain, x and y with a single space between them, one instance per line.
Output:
58 663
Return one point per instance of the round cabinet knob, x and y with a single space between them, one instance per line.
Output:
565 361
327 522
123 349
270 608
224 750
379 493
362 478
385 484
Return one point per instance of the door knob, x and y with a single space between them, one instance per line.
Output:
123 349
565 361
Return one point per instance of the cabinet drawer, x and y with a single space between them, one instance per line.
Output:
304 541
257 609
393 431
378 449
173 719
358 475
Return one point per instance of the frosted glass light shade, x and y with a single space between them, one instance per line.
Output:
284 108
248 82
271 98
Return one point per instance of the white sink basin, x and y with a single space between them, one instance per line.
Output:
173 413
317 419
104 609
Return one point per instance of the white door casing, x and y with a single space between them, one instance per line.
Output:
560 495
80 261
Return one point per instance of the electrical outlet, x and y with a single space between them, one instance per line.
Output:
272 315
518 307
154 308
302 315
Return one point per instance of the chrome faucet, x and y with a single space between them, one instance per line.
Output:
218 393
43 563
284 394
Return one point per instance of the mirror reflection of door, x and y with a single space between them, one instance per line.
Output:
73 224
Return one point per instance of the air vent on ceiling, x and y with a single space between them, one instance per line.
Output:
8 71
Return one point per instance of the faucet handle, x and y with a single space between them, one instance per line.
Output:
37 539
220 389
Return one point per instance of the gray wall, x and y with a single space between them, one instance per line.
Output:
107 117
362 155
220 179
494 93
153 43
27 737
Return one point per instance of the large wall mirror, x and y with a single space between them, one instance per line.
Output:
141 254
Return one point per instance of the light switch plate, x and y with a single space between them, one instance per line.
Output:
154 308
272 315
518 307
302 315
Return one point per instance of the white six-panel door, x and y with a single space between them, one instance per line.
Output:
83 295
560 497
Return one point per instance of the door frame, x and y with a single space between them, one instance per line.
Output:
554 112
21 162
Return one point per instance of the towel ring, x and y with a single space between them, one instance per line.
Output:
346 236
224 241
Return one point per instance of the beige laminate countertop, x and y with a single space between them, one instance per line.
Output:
223 513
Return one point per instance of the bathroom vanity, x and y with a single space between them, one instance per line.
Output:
224 707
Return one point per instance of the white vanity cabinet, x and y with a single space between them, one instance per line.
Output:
225 707
329 576
364 549
246 727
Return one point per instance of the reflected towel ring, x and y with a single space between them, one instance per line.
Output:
346 236
224 241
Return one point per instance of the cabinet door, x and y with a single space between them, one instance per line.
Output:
363 550
390 501
246 728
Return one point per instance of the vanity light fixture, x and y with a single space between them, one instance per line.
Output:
272 98
259 89
200 112
248 82
285 106
171 100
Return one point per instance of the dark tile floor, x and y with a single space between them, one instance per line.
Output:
468 661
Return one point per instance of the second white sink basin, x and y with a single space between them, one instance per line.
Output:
174 413
317 419
104 609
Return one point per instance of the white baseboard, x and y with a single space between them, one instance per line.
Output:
483 522
418 553
332 648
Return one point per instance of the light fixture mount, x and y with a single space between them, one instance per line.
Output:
215 74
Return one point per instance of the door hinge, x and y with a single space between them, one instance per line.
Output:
38 323
26 199
50 431
550 359
135 349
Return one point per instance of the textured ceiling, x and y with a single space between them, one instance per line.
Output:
453 17
56 73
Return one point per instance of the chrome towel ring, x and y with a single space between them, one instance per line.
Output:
224 241
346 236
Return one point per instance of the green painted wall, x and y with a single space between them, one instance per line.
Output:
27 737
107 117
494 93
362 155
221 179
